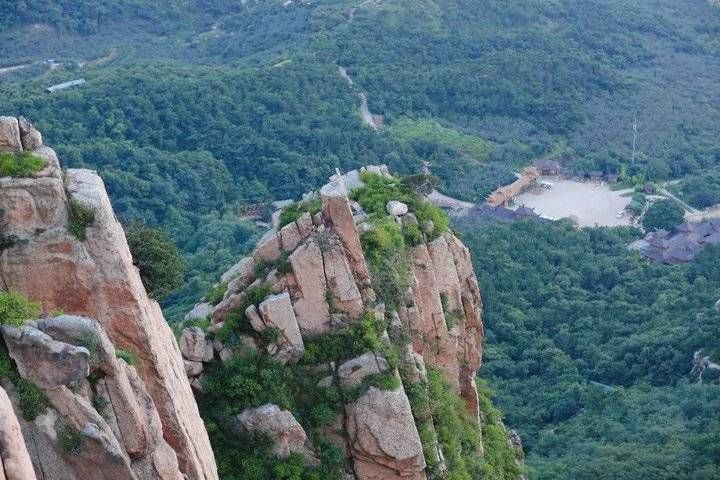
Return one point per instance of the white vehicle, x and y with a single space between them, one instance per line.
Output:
547 185
620 214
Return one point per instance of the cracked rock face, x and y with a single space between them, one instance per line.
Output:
281 427
383 439
15 463
96 278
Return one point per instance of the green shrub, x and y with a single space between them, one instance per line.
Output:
348 342
235 320
158 259
31 399
270 335
457 431
15 309
663 214
70 440
499 460
216 293
20 164
129 357
79 218
294 211
283 264
99 403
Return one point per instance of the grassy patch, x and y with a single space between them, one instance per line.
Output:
349 342
20 164
430 131
70 440
15 309
129 357
216 293
294 211
79 218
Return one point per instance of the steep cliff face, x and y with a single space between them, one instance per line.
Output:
63 248
400 287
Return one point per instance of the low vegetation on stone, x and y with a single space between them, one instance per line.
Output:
158 259
216 293
15 309
70 440
20 164
129 357
79 218
295 210
31 399
235 321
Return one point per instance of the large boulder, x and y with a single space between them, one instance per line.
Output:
396 208
353 372
194 346
10 135
15 461
200 311
384 442
45 361
29 135
277 312
311 307
286 434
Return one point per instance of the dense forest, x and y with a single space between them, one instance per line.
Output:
193 110
590 348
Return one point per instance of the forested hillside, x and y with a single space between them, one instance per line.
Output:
590 348
193 110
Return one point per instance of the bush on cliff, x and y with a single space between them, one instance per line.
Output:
15 309
158 259
79 218
21 164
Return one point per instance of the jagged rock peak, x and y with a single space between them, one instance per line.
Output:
82 265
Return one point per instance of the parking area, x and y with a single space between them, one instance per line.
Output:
589 204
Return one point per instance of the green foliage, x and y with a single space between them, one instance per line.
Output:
498 463
295 210
235 320
20 164
79 218
129 357
663 214
701 191
430 131
31 399
348 342
70 440
216 293
15 309
566 307
99 403
158 259
457 431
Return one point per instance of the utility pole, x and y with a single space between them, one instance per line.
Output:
632 162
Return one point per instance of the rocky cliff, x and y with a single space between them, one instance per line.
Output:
100 392
363 292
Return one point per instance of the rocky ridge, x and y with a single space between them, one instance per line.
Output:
315 283
97 416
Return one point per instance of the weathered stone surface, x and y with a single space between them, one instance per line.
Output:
396 208
384 442
281 427
194 346
244 270
97 278
193 369
311 308
446 275
268 249
336 208
29 135
10 135
435 344
200 311
305 225
15 463
344 294
290 237
277 312
253 316
46 362
353 372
